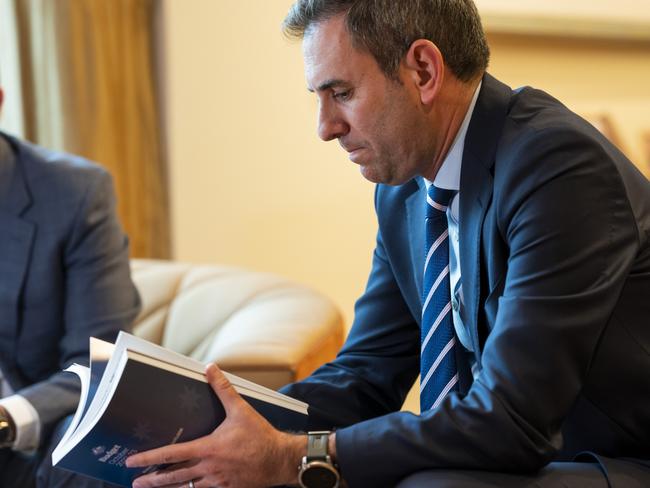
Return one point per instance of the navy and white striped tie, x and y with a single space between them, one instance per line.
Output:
437 356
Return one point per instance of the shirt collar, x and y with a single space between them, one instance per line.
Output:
448 176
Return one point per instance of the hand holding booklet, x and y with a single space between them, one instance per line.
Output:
137 396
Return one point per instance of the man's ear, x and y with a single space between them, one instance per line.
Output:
2 96
425 67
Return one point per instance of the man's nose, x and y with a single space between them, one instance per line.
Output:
331 125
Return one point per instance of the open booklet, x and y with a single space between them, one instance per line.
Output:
137 396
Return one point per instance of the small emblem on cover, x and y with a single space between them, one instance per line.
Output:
99 450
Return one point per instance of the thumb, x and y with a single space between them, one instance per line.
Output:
222 387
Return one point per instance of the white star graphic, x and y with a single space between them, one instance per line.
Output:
189 399
142 430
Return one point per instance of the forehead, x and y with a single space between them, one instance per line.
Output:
329 54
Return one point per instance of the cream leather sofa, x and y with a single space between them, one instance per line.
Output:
256 325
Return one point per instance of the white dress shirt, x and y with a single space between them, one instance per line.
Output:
25 417
448 177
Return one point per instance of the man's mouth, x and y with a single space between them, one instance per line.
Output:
354 154
353 151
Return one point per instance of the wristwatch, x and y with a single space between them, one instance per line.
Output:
317 469
7 429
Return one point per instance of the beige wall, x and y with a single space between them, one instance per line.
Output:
629 11
251 183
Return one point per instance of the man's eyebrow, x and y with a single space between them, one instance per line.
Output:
327 85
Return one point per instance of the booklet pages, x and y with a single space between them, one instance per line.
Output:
137 396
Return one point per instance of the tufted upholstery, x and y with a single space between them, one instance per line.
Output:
256 325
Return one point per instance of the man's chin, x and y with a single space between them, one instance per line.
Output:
373 176
370 175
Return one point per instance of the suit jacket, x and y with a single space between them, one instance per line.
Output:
555 261
64 273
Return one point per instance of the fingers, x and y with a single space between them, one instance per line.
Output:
171 454
222 387
170 477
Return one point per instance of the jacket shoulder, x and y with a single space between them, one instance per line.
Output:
55 171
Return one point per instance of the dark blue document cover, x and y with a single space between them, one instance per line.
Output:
153 407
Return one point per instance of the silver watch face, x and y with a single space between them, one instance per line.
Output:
318 474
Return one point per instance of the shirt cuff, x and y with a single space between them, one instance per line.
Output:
26 420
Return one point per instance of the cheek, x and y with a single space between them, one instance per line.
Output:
365 117
391 137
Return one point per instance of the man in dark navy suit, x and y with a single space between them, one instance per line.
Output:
64 276
512 271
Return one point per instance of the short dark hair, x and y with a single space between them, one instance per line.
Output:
387 28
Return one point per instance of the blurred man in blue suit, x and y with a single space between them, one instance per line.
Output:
64 276
511 269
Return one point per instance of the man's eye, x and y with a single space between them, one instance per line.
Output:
342 95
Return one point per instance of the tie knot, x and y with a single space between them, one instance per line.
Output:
438 199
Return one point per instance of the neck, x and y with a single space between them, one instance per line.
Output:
447 118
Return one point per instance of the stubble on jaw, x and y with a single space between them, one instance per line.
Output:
406 154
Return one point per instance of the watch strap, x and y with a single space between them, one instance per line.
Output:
317 443
317 469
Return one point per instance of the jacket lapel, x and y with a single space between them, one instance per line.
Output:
476 185
15 244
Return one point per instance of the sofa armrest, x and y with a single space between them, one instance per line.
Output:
256 325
